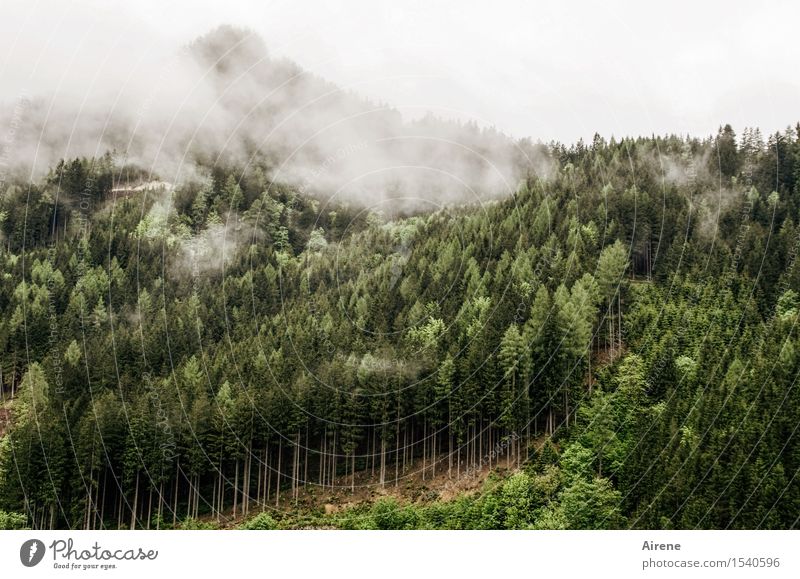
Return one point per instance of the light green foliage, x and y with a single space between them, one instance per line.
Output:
640 329
317 241
261 522
12 521
591 504
388 514
518 501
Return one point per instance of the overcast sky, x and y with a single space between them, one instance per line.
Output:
549 70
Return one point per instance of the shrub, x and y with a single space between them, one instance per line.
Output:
387 514
261 522
12 521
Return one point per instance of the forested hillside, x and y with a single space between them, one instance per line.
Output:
622 327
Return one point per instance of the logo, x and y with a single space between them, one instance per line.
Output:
31 552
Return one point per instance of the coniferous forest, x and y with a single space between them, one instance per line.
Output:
621 337
611 342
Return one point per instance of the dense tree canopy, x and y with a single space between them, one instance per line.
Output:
625 328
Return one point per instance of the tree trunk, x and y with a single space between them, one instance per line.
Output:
135 503
383 458
449 453
278 474
268 474
259 482
246 482
220 490
372 455
160 504
433 454
235 487
333 458
424 444
305 460
175 497
149 505
322 452
103 499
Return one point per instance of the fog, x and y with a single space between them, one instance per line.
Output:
81 77
222 98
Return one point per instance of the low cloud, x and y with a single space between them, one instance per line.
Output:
222 98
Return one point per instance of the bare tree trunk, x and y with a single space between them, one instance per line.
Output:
296 469
258 484
160 504
119 510
103 498
491 450
305 461
149 505
215 498
397 452
235 487
449 453
373 455
383 458
220 490
433 453
405 448
87 509
175 497
424 444
195 495
268 476
480 442
333 458
278 474
323 450
246 483
135 503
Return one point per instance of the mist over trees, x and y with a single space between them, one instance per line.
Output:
223 99
624 328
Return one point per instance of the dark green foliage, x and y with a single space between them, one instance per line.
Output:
184 356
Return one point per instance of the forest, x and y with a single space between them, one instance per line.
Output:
620 332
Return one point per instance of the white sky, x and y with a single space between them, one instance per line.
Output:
550 70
